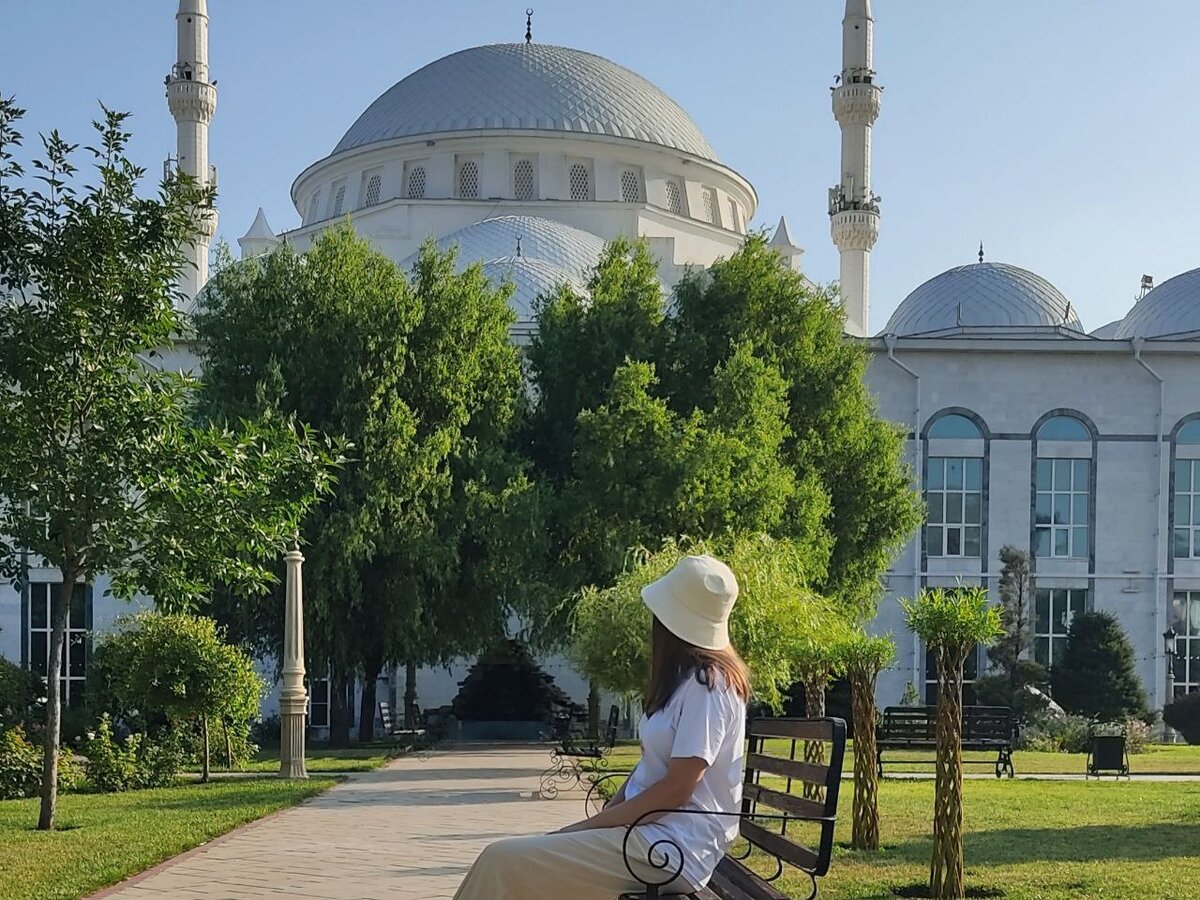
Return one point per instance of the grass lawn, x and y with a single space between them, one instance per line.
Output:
106 837
360 758
1032 840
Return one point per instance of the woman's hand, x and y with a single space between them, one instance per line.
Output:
573 827
673 791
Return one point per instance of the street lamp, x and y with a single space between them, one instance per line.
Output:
1169 652
293 701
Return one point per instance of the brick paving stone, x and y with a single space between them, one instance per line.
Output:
408 831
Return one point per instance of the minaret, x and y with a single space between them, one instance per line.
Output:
853 207
192 99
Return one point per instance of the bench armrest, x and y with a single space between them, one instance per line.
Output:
661 847
592 795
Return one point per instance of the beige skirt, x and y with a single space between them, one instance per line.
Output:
582 865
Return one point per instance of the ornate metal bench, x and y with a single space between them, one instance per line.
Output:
570 751
421 740
775 820
985 728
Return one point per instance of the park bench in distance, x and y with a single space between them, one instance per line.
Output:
572 748
776 818
985 728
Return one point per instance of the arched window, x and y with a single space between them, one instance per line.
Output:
1063 428
734 216
710 205
1189 433
631 186
468 180
955 426
314 206
339 200
372 192
581 182
523 179
416 183
674 197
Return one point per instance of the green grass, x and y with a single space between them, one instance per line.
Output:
106 837
321 759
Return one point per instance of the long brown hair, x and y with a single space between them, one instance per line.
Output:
673 659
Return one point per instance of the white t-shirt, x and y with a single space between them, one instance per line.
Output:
711 725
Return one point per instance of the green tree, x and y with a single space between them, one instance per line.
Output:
1012 676
419 375
179 665
863 657
951 623
836 443
104 469
1097 676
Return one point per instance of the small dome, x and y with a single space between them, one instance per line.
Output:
550 253
536 87
982 296
1171 310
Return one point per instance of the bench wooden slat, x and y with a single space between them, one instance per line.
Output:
788 803
792 854
795 769
798 729
733 881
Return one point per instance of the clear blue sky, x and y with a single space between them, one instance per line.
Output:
1063 134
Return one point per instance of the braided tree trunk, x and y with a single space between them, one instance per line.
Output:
946 870
866 781
814 751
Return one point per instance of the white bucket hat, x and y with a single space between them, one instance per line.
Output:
693 601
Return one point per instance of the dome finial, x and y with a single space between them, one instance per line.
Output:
981 252
529 25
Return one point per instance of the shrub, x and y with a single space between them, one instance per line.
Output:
1096 676
1183 714
1073 734
137 762
21 767
1012 689
18 694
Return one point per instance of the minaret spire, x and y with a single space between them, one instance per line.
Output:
192 99
853 206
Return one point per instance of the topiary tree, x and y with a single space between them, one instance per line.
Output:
507 685
951 623
1096 676
1011 677
817 661
862 658
180 666
1183 714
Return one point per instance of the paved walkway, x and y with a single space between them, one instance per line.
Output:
405 832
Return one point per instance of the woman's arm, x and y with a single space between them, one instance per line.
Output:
673 791
619 797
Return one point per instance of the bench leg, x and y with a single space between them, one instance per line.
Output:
1004 764
879 762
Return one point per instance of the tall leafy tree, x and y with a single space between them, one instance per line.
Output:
104 469
418 374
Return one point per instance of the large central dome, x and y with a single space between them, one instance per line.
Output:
534 87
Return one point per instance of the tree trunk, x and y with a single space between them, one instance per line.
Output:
60 615
866 780
339 710
366 707
205 771
814 751
593 711
946 869
410 695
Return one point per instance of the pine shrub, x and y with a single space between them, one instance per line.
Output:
1183 714
1096 676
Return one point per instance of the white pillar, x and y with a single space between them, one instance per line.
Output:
293 702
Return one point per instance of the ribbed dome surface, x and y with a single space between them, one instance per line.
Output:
550 253
1171 309
982 295
527 86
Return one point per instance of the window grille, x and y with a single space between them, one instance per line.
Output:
339 199
314 206
373 186
674 198
970 674
1053 610
468 180
1187 509
710 205
318 703
73 674
1185 619
955 427
631 186
1061 507
581 183
416 183
954 501
523 179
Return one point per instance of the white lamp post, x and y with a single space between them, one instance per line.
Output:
293 703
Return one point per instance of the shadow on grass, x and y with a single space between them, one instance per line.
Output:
1084 843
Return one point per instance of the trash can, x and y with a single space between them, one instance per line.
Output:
1108 756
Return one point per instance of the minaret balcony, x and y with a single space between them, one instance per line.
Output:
195 101
855 229
857 104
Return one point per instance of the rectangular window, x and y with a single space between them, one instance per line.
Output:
73 674
1053 610
318 703
954 502
970 673
1187 509
1185 619
1061 508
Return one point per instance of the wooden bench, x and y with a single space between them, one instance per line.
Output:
985 728
570 750
775 818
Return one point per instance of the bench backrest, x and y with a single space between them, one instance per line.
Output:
776 773
385 716
614 719
919 723
995 723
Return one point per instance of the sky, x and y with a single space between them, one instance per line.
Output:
1062 134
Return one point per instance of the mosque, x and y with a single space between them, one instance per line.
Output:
1023 428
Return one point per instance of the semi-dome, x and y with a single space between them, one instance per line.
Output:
984 295
1171 310
534 87
535 254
